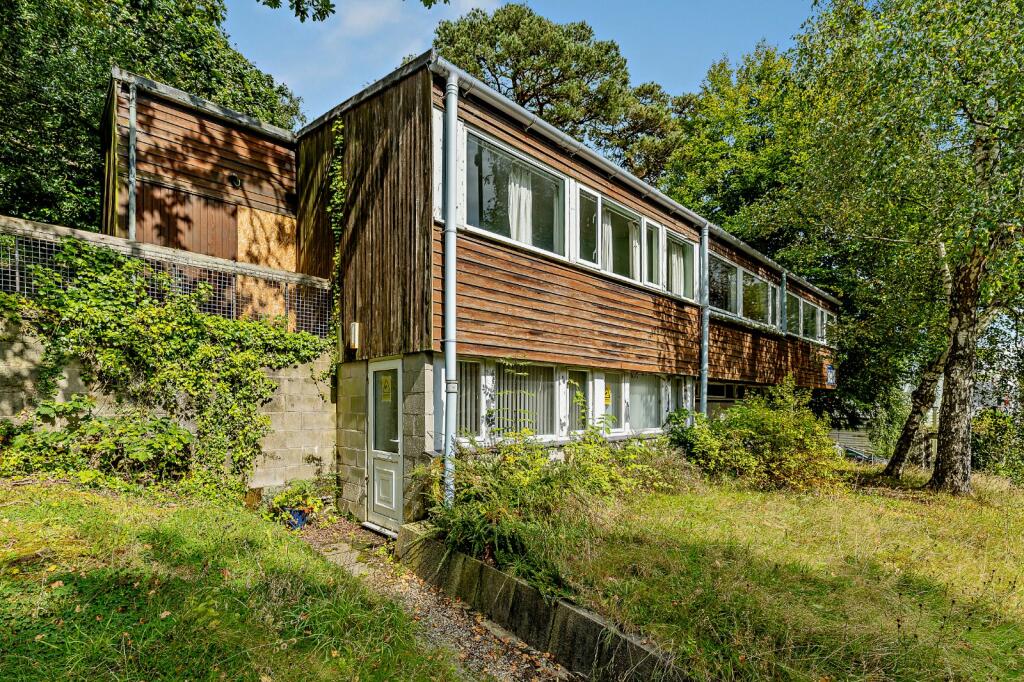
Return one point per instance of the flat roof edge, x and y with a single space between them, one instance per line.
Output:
204 105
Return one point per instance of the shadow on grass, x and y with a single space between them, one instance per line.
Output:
727 612
233 600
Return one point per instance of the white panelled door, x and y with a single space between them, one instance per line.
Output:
384 463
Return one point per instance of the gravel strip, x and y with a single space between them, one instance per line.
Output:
481 648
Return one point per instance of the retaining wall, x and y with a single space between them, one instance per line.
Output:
579 639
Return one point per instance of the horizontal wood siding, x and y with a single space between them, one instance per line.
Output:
185 163
384 274
515 304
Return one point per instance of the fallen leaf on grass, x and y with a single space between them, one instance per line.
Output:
57 583
164 614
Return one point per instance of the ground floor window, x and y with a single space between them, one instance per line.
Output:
555 402
524 397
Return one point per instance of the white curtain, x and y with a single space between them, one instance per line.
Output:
606 240
634 249
520 204
676 268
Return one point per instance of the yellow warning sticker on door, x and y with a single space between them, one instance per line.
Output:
607 396
385 388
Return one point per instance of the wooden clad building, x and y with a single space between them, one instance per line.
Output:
185 173
580 292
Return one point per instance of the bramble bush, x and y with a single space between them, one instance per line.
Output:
186 386
512 496
771 441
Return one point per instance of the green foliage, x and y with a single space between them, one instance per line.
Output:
301 495
320 10
95 585
511 496
997 445
155 353
771 441
887 420
566 76
55 60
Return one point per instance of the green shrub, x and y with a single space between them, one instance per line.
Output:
66 437
997 445
512 496
771 441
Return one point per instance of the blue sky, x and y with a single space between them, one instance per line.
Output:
672 43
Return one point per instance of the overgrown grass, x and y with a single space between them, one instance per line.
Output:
867 582
106 586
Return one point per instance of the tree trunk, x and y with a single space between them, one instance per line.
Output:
921 401
952 471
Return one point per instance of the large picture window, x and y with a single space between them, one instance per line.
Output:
508 197
757 297
722 278
524 398
792 314
644 402
810 321
679 268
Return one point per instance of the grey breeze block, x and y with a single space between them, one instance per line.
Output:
579 639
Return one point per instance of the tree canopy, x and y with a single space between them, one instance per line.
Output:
55 61
568 77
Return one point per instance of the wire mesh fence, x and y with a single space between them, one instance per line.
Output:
303 301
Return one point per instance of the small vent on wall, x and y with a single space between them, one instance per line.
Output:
234 181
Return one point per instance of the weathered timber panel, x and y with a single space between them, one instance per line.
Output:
384 246
194 172
516 304
314 239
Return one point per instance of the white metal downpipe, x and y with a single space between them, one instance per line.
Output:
705 316
451 396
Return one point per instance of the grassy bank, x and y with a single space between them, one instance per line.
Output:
871 582
101 586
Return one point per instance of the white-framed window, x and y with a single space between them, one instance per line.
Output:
620 240
589 234
511 197
810 318
646 410
758 297
579 401
652 253
723 285
793 313
469 420
680 269
525 397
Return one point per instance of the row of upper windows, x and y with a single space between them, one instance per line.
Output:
512 197
554 401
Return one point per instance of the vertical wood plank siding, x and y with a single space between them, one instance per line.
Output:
514 303
186 161
384 268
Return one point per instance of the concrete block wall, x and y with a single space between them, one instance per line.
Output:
418 428
301 444
302 411
351 438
